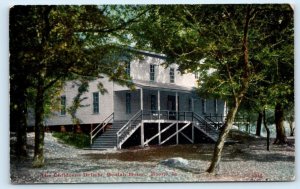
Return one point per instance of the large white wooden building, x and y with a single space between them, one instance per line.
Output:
163 108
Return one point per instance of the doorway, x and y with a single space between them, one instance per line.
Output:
171 106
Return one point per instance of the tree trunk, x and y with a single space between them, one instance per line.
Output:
221 140
280 130
237 96
18 119
258 123
38 160
22 134
267 129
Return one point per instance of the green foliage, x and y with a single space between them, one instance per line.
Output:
61 43
273 63
233 48
209 39
74 139
200 38
50 45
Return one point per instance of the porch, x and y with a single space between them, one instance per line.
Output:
167 98
153 127
157 113
127 103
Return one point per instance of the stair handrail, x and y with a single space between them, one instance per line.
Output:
100 127
216 125
201 119
127 125
133 118
207 125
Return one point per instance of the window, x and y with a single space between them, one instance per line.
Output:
63 105
153 102
216 105
128 103
204 106
172 75
152 72
128 68
96 102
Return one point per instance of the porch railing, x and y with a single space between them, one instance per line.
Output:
219 120
215 117
166 115
101 127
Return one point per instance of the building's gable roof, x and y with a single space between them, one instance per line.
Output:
148 53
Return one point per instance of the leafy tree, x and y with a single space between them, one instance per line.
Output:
274 69
224 43
276 65
220 35
19 80
255 104
57 44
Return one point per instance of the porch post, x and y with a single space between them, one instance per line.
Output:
176 100
177 137
142 126
141 98
159 136
158 108
193 133
158 100
142 135
158 103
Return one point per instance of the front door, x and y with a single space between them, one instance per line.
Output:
171 106
171 103
153 102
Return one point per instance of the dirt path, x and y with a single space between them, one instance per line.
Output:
246 161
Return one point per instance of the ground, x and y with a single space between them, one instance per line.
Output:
247 160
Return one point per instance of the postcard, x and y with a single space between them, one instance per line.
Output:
151 93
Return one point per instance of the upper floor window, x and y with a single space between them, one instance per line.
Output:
128 103
203 102
127 69
152 72
172 75
96 102
63 105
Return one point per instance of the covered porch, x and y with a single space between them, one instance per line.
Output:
157 101
158 114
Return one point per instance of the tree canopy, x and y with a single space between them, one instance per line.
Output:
240 51
50 45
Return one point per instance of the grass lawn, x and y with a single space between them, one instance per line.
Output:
78 140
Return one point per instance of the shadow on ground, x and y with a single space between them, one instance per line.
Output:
248 148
